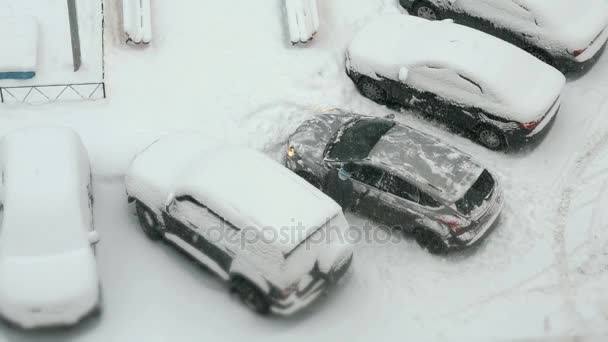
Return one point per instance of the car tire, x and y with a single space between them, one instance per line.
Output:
311 179
491 137
148 221
251 296
430 241
426 10
370 89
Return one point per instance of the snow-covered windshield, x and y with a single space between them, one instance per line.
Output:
357 138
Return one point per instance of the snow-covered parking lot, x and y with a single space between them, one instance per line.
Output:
227 69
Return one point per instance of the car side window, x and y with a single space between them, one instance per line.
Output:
504 12
197 215
447 83
400 188
428 201
520 12
366 174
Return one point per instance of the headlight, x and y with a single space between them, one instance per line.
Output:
291 152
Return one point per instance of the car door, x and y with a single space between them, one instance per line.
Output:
365 179
453 95
399 201
419 91
200 232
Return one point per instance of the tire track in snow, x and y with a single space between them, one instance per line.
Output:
596 144
572 182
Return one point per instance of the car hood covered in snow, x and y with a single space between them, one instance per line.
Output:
311 138
516 85
439 169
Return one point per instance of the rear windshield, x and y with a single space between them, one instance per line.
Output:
477 194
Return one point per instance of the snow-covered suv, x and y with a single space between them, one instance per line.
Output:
277 240
454 74
398 175
564 33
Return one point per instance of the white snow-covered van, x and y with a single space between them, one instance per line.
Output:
276 239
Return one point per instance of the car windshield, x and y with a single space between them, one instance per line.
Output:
357 138
475 197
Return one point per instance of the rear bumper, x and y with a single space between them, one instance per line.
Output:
45 318
594 49
575 65
519 137
481 227
319 285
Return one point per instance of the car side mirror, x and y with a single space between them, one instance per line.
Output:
169 201
93 237
390 116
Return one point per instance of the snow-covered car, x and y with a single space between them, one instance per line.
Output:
399 176
564 33
276 240
48 271
462 77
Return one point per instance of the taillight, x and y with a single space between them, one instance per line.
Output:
529 125
577 53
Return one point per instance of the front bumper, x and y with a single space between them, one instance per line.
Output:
319 285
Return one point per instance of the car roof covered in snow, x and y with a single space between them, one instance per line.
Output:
439 169
253 191
153 171
45 172
515 84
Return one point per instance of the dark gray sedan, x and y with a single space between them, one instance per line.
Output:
399 176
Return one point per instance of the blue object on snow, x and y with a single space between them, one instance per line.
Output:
17 75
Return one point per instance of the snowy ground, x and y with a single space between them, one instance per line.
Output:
225 68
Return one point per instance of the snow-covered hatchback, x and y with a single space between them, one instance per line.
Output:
48 272
278 241
564 33
462 77
398 176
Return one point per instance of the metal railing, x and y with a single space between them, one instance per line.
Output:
41 94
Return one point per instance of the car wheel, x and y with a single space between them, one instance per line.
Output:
310 179
425 10
147 220
491 137
251 296
430 241
370 89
